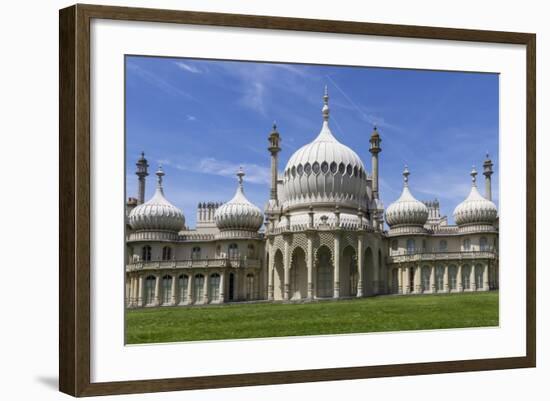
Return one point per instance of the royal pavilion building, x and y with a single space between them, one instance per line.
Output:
321 235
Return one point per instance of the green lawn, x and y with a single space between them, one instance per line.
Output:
385 313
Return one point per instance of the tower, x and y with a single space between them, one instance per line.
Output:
375 148
141 172
488 172
274 149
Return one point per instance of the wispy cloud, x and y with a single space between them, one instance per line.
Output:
254 173
157 81
254 97
191 118
188 67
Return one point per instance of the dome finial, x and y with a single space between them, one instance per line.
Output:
406 174
240 175
325 109
473 173
160 174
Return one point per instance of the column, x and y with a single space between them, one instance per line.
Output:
190 280
140 291
446 279
359 266
376 274
407 279
459 279
222 287
486 276
286 266
473 277
157 290
400 280
205 291
174 289
309 266
270 272
336 265
417 280
432 278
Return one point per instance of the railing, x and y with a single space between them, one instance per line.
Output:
193 263
420 255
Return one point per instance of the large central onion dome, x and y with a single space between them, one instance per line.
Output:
238 214
325 172
406 211
475 209
157 213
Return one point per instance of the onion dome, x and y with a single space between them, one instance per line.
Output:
406 210
475 209
238 214
157 213
325 172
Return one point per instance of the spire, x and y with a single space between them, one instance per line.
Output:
325 109
141 172
160 174
473 173
240 175
406 174
488 172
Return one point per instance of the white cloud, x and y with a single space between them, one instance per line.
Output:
157 81
188 67
191 118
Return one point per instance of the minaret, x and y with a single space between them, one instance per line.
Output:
374 150
160 174
488 172
141 172
274 149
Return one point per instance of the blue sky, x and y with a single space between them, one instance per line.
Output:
202 119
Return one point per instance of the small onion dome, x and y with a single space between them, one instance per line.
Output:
475 209
238 213
406 210
157 213
324 172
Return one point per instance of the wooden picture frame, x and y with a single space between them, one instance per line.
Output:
75 208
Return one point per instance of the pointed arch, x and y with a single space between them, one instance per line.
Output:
298 274
348 272
278 275
324 272
368 284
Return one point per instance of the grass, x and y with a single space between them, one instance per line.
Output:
254 320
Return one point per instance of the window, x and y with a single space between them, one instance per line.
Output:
249 286
184 287
483 244
324 273
300 169
467 244
443 246
439 278
333 167
423 245
214 287
250 250
150 290
425 279
307 168
198 288
453 271
233 251
146 253
466 277
394 245
316 168
196 253
341 168
394 281
166 289
479 276
166 253
324 167
410 245
349 170
293 171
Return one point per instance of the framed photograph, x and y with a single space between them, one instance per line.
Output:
250 200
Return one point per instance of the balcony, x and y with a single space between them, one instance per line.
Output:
423 255
193 264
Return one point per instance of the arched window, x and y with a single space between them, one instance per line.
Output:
410 245
443 246
467 244
196 253
425 278
166 290
183 287
250 250
453 271
150 290
483 244
479 276
233 251
249 286
166 253
214 287
198 288
466 277
394 245
146 253
439 278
